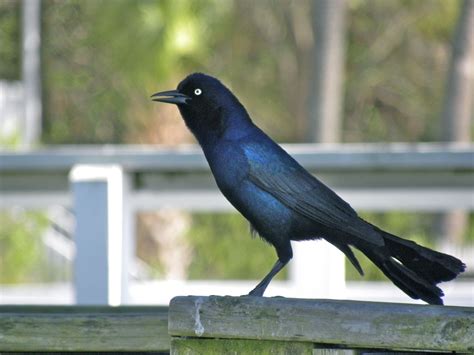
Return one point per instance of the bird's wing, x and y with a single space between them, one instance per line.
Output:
276 172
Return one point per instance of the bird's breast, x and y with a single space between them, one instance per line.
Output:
266 213
228 166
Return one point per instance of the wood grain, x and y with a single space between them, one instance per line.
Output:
344 323
73 328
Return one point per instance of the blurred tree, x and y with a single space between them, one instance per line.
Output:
397 57
20 245
10 47
458 109
31 72
100 73
329 59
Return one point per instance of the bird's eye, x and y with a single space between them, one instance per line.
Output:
197 92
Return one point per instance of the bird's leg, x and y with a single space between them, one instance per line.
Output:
262 286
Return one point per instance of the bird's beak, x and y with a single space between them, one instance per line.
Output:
171 97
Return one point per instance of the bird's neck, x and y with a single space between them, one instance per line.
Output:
223 125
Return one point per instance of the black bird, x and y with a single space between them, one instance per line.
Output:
283 202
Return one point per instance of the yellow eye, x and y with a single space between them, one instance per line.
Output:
197 92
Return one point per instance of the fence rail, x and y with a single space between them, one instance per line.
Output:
374 177
213 324
80 328
217 325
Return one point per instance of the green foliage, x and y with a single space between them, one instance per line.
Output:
10 39
11 141
99 73
396 68
110 55
20 245
102 59
223 249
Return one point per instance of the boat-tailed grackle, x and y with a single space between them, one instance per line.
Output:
283 202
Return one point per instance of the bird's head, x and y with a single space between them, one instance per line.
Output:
207 105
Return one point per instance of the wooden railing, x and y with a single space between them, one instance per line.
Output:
83 328
240 325
297 326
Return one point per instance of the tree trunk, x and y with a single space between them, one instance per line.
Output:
326 88
31 71
459 96
458 108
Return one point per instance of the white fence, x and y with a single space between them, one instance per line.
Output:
12 111
107 185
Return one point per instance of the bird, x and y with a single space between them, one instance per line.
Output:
283 201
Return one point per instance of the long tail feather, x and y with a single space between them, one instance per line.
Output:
415 269
433 266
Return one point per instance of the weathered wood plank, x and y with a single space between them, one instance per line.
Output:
319 351
191 346
346 323
72 328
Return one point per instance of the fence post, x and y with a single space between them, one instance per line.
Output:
128 237
102 234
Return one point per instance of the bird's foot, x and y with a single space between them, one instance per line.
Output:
256 292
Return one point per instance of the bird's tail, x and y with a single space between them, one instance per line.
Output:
415 269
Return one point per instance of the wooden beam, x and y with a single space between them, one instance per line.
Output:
66 328
349 324
192 346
